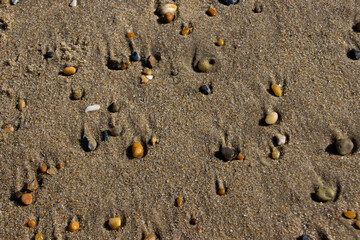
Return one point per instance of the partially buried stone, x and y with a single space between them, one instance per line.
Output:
325 194
258 8
227 153
89 143
135 57
77 94
205 89
33 185
114 223
344 146
229 2
304 237
204 65
114 107
150 236
115 131
354 54
51 171
350 214
39 236
49 55
105 135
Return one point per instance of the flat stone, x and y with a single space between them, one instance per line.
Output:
33 185
344 146
135 56
325 194
227 153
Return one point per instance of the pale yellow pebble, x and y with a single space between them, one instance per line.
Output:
179 201
77 94
357 223
21 105
277 90
51 171
154 140
39 236
114 223
144 79
204 65
9 129
271 118
275 154
69 71
325 194
147 71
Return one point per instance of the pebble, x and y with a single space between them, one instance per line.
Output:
149 77
194 221
276 90
354 54
168 17
275 154
229 2
114 107
42 169
211 12
68 71
137 150
74 226
31 223
127 63
179 201
185 31
240 157
27 198
147 71
135 56
13 2
304 237
39 236
73 3
281 139
167 11
49 55
204 65
92 108
350 214
357 27
271 118
114 223
152 61
130 35
123 66
357 223
115 131
154 140
59 166
325 194
258 7
89 143
205 89
51 171
220 42
21 105
77 94
150 236
9 129
227 153
344 146
221 191
33 185
105 135
144 79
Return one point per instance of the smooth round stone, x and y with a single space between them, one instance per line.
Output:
114 223
137 150
275 154
204 65
69 71
135 56
21 105
114 107
74 226
179 201
205 89
229 2
325 194
115 131
31 223
344 146
271 118
227 153
33 185
350 214
77 94
39 236
27 198
276 90
357 223
89 143
168 17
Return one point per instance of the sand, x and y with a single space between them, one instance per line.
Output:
301 45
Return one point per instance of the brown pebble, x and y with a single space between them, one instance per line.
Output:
179 201
74 226
5 1
185 31
59 166
21 105
220 42
350 214
194 221
114 107
277 90
123 66
152 61
130 35
33 185
31 223
211 12
68 71
169 17
9 129
150 236
115 131
127 63
42 169
221 191
357 223
144 79
27 198
147 71
137 150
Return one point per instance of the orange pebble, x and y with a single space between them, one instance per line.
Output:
137 150
211 12
27 198
169 17
59 166
130 35
185 31
357 223
220 42
350 214
42 169
240 157
74 226
123 66
31 223
221 191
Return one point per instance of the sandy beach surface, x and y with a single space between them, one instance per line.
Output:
181 187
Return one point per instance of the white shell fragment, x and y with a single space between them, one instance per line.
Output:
168 8
92 108
13 2
149 77
281 139
73 3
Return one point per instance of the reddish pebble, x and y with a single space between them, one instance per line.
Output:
130 35
27 198
211 12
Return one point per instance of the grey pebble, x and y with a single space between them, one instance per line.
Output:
227 153
89 143
114 107
354 54
135 57
105 135
344 146
49 55
115 131
13 2
228 2
205 89
304 237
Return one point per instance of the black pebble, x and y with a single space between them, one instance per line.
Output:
49 55
228 2
304 237
105 135
354 54
135 57
205 89
227 153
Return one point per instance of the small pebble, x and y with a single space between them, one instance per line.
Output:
229 2
92 108
77 94
221 191
276 90
27 198
114 223
33 185
114 107
69 71
127 63
240 157
179 201
59 166
9 129
137 150
281 139
130 35
73 3
275 154
39 236
304 237
144 79
350 214
354 54
74 226
21 105
154 140
258 8
357 223
169 17
344 146
227 153
51 171
123 66
185 31
220 42
205 89
211 12
357 27
149 77
150 236
5 1
194 221
325 194
271 118
13 2
204 65
147 71
42 169
115 131
135 56
105 135
152 61
49 55
89 143
31 223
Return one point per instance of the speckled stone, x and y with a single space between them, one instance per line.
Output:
227 153
325 194
344 146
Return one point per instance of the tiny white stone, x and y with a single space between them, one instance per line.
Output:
149 77
92 108
73 3
13 2
281 139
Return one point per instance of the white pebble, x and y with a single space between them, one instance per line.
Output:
149 77
13 2
73 3
281 139
92 108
